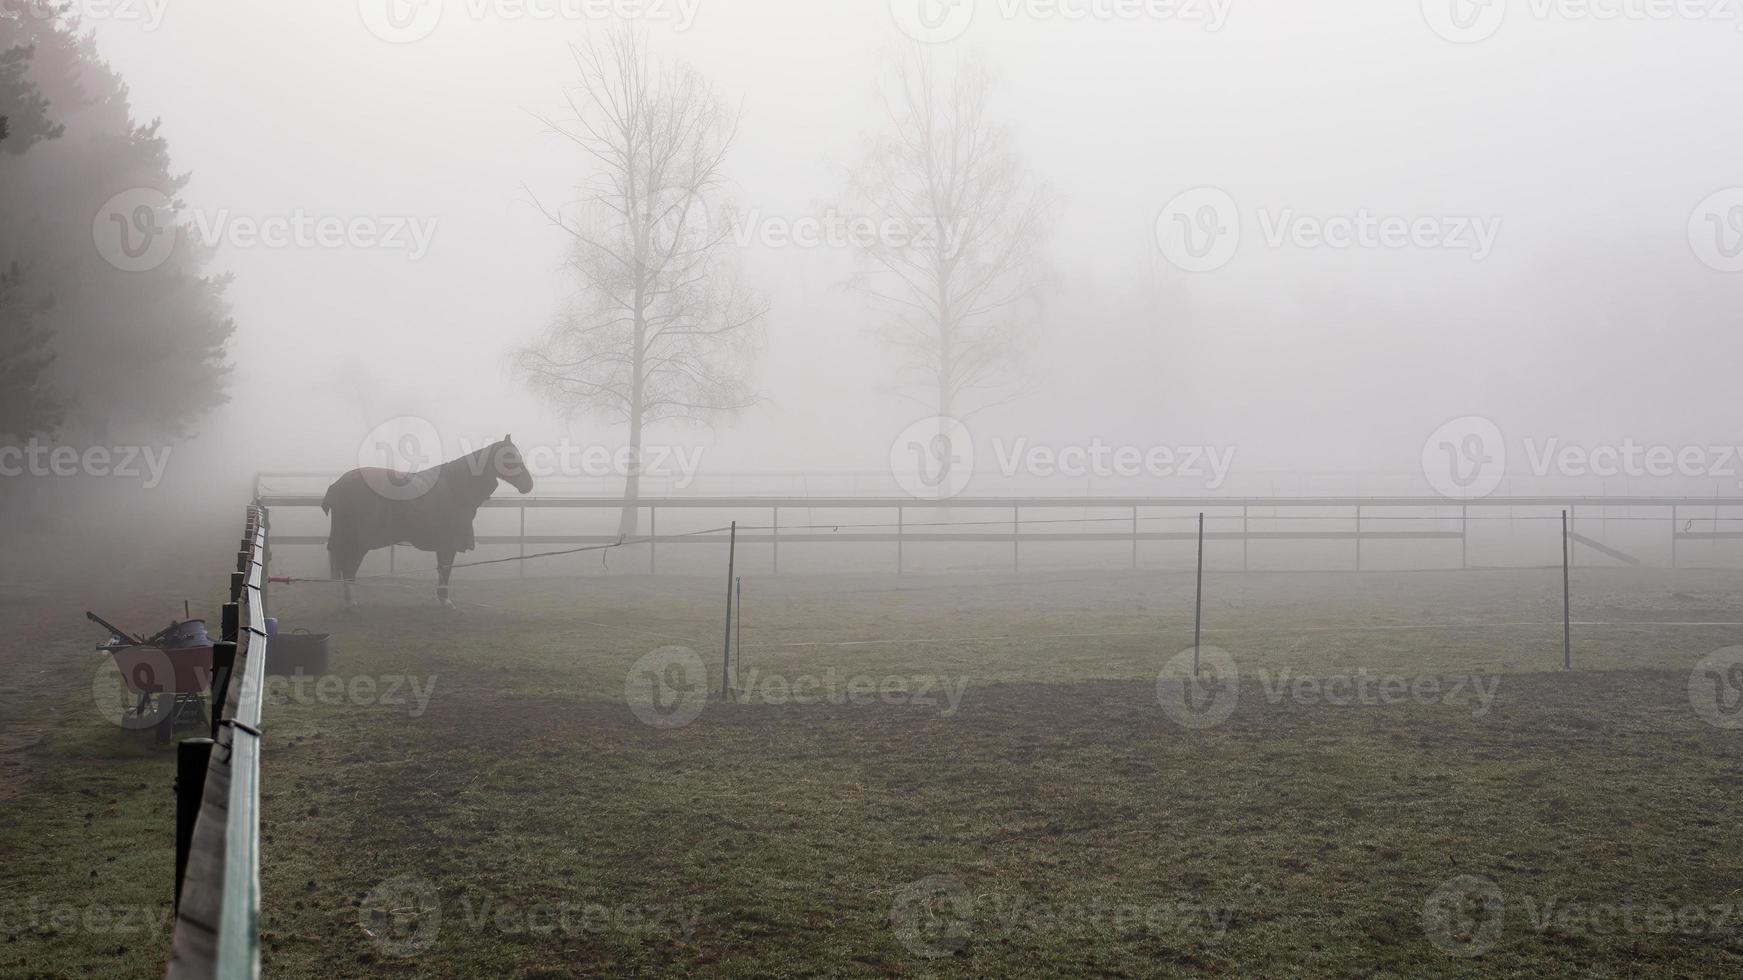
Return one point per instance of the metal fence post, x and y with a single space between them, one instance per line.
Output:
1198 599
899 523
726 647
1358 537
1567 642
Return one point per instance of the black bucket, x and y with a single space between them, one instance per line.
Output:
301 652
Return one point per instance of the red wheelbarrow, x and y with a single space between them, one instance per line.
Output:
166 676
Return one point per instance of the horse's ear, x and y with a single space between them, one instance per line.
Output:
508 439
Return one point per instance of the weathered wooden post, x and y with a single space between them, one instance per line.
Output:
223 666
192 754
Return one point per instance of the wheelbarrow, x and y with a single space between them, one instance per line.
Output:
166 676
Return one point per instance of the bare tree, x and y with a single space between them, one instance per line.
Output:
954 269
659 328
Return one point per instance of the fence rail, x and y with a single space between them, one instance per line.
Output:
1248 510
217 923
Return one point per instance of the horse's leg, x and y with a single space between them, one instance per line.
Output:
444 565
345 569
336 569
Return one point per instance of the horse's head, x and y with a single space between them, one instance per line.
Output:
507 465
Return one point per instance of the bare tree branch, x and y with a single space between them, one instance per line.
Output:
658 327
959 294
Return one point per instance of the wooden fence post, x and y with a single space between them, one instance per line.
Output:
192 754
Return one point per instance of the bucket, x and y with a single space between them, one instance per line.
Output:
299 652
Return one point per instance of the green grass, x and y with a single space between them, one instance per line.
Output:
528 825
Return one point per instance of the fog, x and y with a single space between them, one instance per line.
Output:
796 487
1582 144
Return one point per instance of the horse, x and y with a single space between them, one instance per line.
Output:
431 510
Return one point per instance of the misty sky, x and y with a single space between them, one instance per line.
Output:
1590 142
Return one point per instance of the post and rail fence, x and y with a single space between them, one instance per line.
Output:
217 883
1034 521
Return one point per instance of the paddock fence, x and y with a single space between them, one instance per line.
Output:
217 885
1667 525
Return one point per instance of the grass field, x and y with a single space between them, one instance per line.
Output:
934 776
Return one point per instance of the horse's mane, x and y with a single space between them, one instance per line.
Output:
475 470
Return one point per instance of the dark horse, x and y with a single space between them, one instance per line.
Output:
431 510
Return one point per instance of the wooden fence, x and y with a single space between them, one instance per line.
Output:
217 919
1034 521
